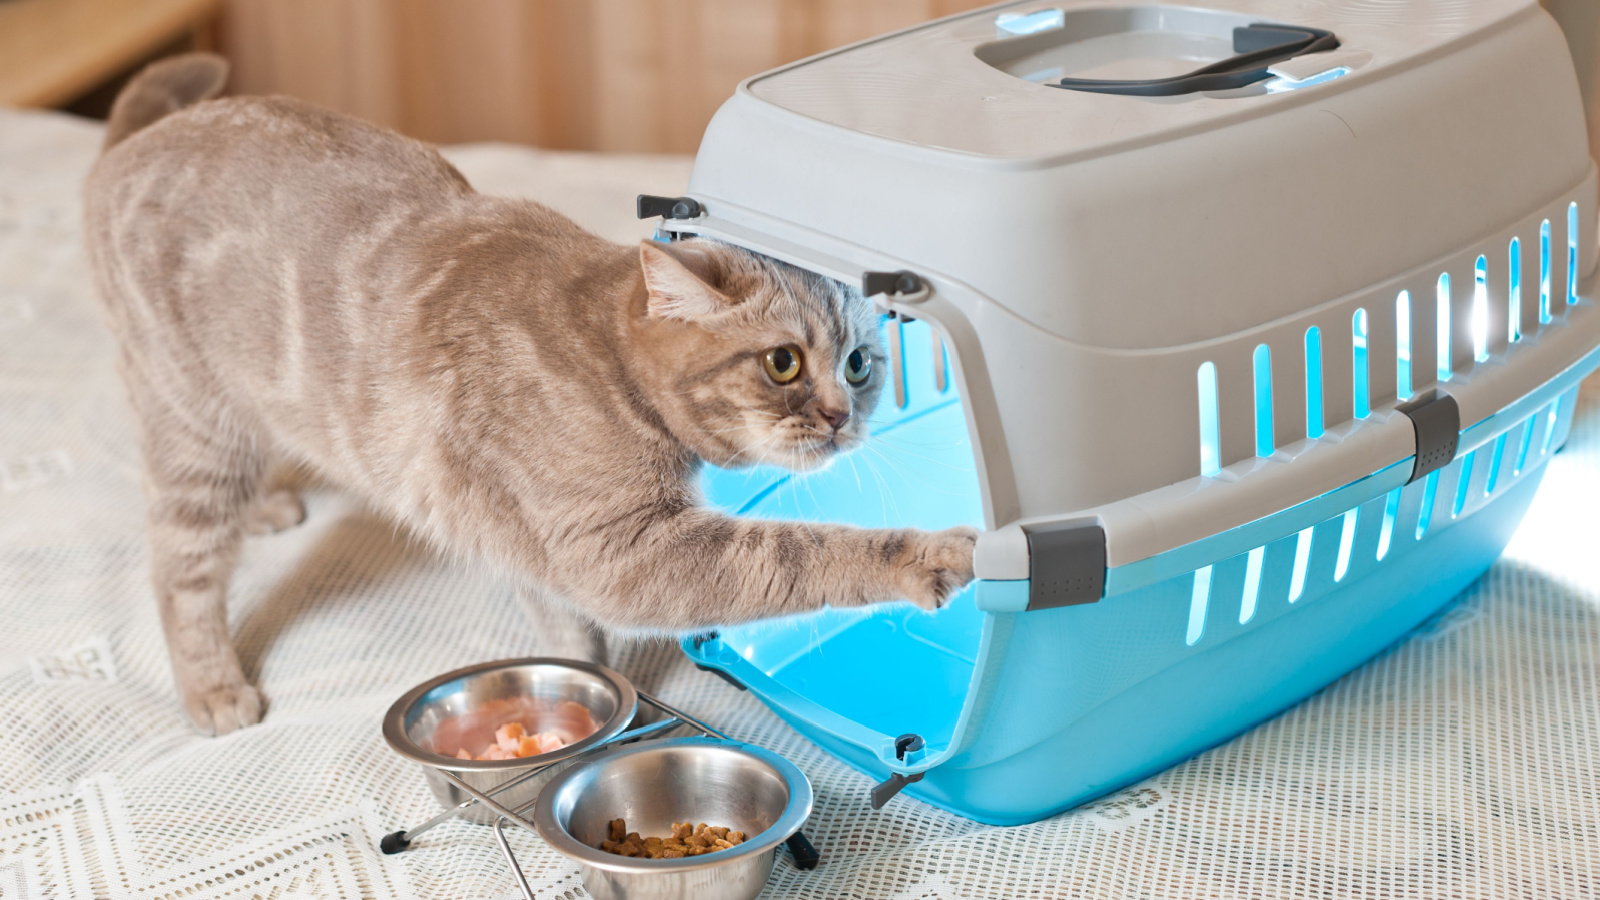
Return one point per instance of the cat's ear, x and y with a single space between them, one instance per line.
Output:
682 281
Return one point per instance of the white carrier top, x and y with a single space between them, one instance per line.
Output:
1086 254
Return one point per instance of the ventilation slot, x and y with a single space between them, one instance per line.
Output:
1463 484
1197 605
1572 254
1544 273
1550 427
1302 559
897 361
1430 487
1347 538
1480 309
1522 448
1263 375
1252 584
1391 511
1359 370
1402 346
1443 293
1313 382
1210 435
1495 458
1514 309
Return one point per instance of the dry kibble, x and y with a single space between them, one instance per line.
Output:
686 840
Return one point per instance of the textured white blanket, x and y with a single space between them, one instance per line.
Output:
1463 763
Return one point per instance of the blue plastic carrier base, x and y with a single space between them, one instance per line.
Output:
1026 714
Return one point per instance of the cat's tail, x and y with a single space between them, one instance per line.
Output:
163 88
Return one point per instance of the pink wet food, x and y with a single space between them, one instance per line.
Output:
513 729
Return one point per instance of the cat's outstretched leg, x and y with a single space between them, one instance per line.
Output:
201 478
559 630
679 569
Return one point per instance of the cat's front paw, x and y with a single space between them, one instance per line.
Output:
935 565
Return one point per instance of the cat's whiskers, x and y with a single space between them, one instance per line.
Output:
881 440
900 466
885 495
760 447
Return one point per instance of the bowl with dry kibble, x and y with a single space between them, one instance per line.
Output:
683 817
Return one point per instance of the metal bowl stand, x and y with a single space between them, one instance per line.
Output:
805 855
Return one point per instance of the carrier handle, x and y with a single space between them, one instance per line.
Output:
1256 46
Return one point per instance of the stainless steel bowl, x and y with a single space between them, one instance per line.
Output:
410 723
655 783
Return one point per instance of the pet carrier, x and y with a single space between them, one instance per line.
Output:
1243 332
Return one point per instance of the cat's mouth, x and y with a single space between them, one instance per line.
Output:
814 453
802 447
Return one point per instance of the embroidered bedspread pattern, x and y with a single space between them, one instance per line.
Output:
1465 762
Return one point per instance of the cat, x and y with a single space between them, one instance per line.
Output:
289 284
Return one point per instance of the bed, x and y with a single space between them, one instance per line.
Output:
1465 761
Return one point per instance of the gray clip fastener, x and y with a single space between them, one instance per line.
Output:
1066 564
1436 419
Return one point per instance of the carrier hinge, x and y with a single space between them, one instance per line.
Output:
1066 564
1436 419
902 285
649 206
884 791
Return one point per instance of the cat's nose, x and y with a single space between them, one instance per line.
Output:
836 417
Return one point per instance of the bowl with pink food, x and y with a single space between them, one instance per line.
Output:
496 721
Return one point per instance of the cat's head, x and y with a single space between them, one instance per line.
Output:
754 361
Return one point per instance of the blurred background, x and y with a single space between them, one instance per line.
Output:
613 75
618 75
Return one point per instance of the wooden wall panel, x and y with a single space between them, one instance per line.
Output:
626 75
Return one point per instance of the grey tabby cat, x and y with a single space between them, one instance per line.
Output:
290 284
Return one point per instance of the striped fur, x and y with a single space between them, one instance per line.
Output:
287 284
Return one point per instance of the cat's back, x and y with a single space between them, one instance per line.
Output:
276 148
258 182
251 237
218 215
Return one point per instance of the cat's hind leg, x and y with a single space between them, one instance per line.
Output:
201 477
274 511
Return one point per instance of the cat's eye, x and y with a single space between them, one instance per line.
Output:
783 363
857 366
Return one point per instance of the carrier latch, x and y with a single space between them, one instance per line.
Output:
1066 564
649 206
1436 419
